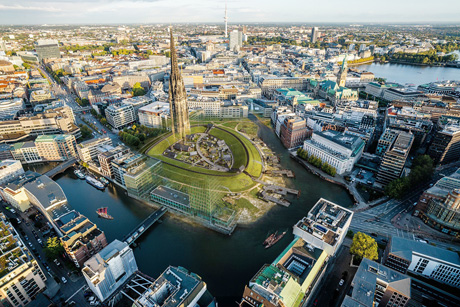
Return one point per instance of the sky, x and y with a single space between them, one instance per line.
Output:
239 11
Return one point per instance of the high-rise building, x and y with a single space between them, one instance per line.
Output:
386 140
109 269
342 75
226 19
314 34
446 145
394 159
177 97
47 49
236 40
22 279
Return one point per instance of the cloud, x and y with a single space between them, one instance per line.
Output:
28 8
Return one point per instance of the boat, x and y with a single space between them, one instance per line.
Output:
102 212
270 238
95 183
103 180
79 174
275 240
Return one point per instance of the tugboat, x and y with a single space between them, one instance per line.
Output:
275 240
103 180
79 174
102 212
95 183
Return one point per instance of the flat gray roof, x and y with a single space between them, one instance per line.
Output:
46 191
405 247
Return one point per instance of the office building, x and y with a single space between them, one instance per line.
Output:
314 34
339 150
9 170
88 150
325 226
14 193
47 49
109 269
293 131
377 285
405 255
81 238
105 159
446 145
176 287
120 115
236 40
394 159
180 123
386 141
142 177
123 164
21 277
154 115
59 147
444 214
26 152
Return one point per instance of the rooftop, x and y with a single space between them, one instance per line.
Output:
405 248
46 191
348 141
172 195
365 283
175 287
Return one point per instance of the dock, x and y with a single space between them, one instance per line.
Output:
146 224
269 198
279 173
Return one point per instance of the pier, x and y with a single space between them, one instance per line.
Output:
280 173
61 167
144 225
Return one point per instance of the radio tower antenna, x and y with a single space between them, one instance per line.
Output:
225 19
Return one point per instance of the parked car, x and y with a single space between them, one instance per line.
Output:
64 280
341 282
57 262
40 241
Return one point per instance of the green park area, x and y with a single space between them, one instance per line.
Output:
243 152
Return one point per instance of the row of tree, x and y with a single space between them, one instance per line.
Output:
422 169
137 135
429 57
316 161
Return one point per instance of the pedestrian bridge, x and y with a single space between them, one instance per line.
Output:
142 227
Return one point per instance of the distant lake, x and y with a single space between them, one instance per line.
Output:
411 74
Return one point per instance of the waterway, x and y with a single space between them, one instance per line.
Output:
226 263
411 74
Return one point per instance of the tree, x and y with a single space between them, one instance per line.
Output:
138 90
53 248
364 246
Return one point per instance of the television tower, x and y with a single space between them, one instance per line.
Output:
225 19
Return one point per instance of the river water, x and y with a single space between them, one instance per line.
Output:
226 263
411 74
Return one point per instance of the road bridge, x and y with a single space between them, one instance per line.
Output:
61 167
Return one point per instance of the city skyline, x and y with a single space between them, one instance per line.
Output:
160 11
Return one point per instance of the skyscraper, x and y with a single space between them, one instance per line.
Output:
180 123
236 39
342 75
47 49
314 34
226 19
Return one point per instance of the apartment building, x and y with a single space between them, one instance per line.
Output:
21 279
88 150
106 158
120 115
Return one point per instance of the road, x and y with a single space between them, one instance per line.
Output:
74 281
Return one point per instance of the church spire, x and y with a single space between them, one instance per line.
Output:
177 96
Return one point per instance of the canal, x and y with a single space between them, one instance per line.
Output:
411 74
226 263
